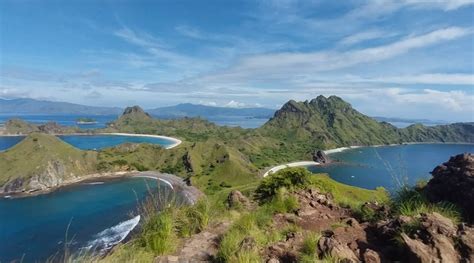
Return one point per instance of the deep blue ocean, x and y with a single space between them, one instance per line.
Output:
389 166
98 215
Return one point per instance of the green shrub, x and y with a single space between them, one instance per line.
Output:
140 167
229 245
290 178
310 244
119 162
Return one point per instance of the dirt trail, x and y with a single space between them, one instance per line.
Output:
201 247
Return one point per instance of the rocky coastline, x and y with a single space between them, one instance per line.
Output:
191 193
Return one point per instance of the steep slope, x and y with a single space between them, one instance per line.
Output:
331 122
41 161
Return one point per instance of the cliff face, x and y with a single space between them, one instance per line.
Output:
43 161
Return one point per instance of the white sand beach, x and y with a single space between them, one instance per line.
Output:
293 164
176 141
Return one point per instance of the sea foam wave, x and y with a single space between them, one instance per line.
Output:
114 235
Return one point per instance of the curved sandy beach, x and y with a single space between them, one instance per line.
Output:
175 141
287 165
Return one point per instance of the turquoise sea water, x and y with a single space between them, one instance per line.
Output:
98 214
389 166
91 142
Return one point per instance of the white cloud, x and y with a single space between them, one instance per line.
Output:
455 100
446 5
434 79
235 104
286 65
364 36
11 93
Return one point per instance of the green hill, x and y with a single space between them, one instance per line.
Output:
135 120
41 161
328 122
332 122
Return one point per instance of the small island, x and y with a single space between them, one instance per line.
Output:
85 121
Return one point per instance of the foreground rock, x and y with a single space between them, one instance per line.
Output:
435 239
236 199
453 181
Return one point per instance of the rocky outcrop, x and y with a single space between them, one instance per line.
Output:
321 157
453 181
437 240
236 199
52 128
286 250
329 245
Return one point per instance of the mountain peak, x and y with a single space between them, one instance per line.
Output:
135 112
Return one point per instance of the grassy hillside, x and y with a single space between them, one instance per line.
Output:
210 165
332 122
42 160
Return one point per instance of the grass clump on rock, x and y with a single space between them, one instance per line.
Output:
411 201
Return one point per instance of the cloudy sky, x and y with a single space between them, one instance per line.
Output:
401 58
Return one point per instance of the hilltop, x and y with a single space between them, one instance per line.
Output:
42 161
332 122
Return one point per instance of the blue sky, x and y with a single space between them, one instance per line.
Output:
404 58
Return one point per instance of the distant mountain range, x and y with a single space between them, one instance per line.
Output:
195 110
31 106
43 107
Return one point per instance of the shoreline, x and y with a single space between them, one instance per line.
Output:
176 183
288 165
279 167
175 141
341 149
